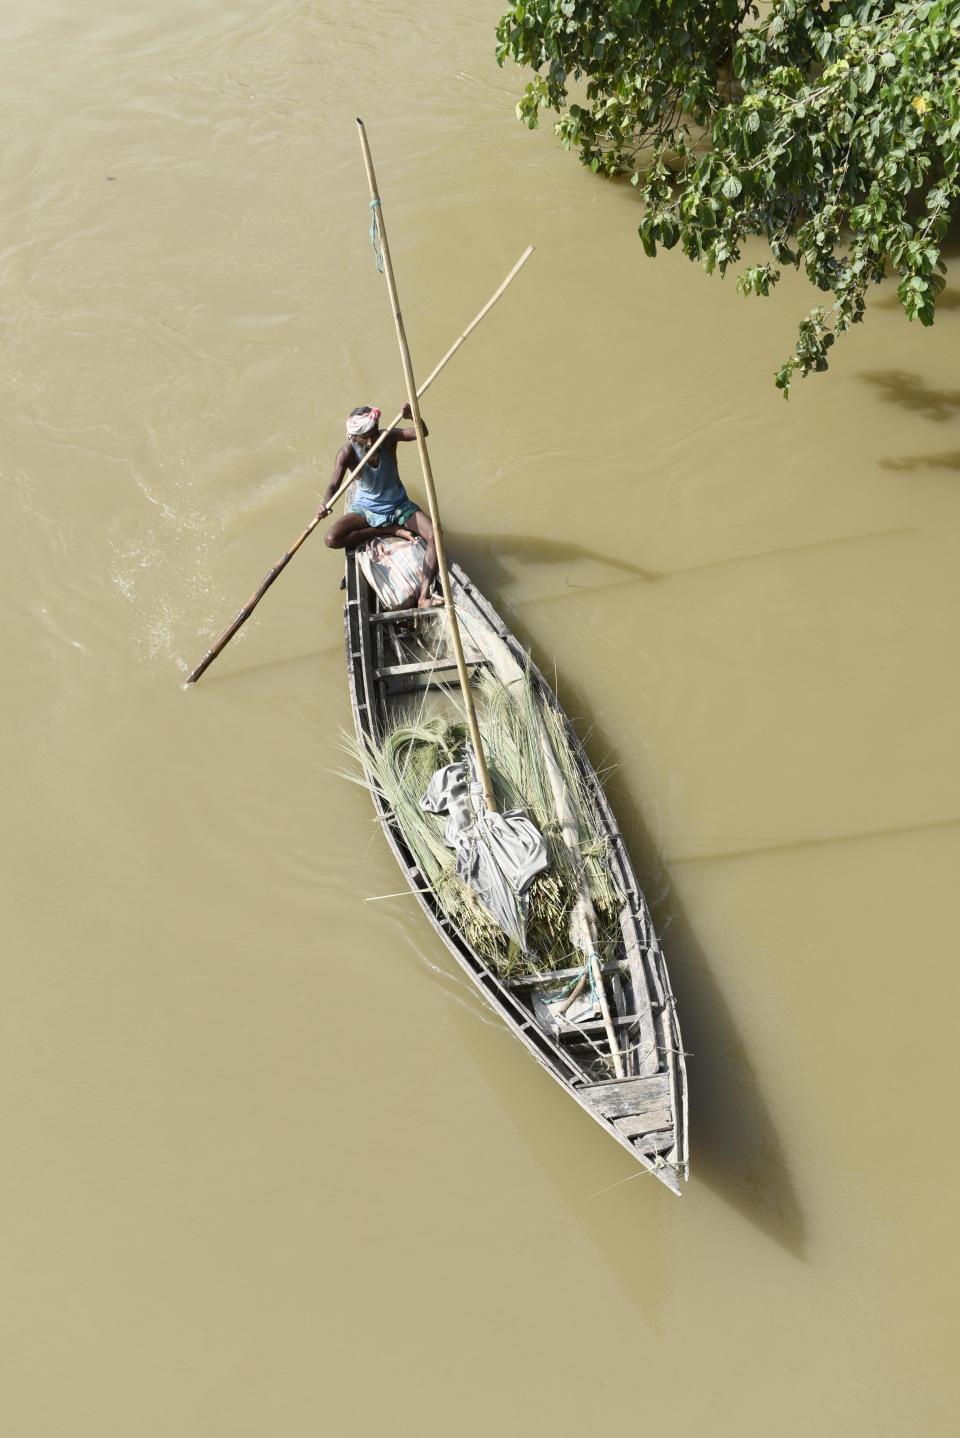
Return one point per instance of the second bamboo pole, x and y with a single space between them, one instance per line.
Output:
464 677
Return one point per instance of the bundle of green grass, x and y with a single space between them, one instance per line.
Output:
512 722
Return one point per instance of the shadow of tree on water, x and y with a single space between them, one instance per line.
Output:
906 463
935 403
914 393
734 1144
489 550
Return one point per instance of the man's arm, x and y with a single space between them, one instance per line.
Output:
396 435
340 466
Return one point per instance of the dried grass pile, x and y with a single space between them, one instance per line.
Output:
512 720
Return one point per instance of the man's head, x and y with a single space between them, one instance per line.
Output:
363 423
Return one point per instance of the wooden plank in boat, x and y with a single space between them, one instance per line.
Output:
424 666
597 1026
631 1098
658 1142
637 1124
648 1060
417 683
387 616
553 976
369 699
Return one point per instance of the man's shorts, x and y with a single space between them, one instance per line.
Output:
400 515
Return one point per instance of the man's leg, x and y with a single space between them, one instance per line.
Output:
421 524
352 529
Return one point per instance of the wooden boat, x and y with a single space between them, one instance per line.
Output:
390 658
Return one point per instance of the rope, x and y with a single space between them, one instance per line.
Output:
562 992
375 233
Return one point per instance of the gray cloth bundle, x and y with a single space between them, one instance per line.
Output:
497 855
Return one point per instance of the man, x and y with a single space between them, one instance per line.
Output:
381 505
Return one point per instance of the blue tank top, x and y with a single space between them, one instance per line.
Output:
379 489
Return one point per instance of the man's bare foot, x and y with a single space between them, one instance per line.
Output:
430 601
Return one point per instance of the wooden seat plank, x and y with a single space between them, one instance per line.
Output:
630 1098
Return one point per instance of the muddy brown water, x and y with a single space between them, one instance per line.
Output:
269 1167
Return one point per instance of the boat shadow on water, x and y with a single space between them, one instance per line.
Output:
735 1148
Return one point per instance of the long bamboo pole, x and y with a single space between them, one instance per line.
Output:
474 728
282 563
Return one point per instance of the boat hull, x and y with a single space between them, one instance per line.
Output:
646 1111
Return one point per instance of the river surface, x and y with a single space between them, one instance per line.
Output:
270 1168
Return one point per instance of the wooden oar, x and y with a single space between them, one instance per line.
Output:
380 230
282 563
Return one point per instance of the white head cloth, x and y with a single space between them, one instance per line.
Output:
362 423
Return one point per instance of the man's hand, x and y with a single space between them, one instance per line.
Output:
410 434
323 511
